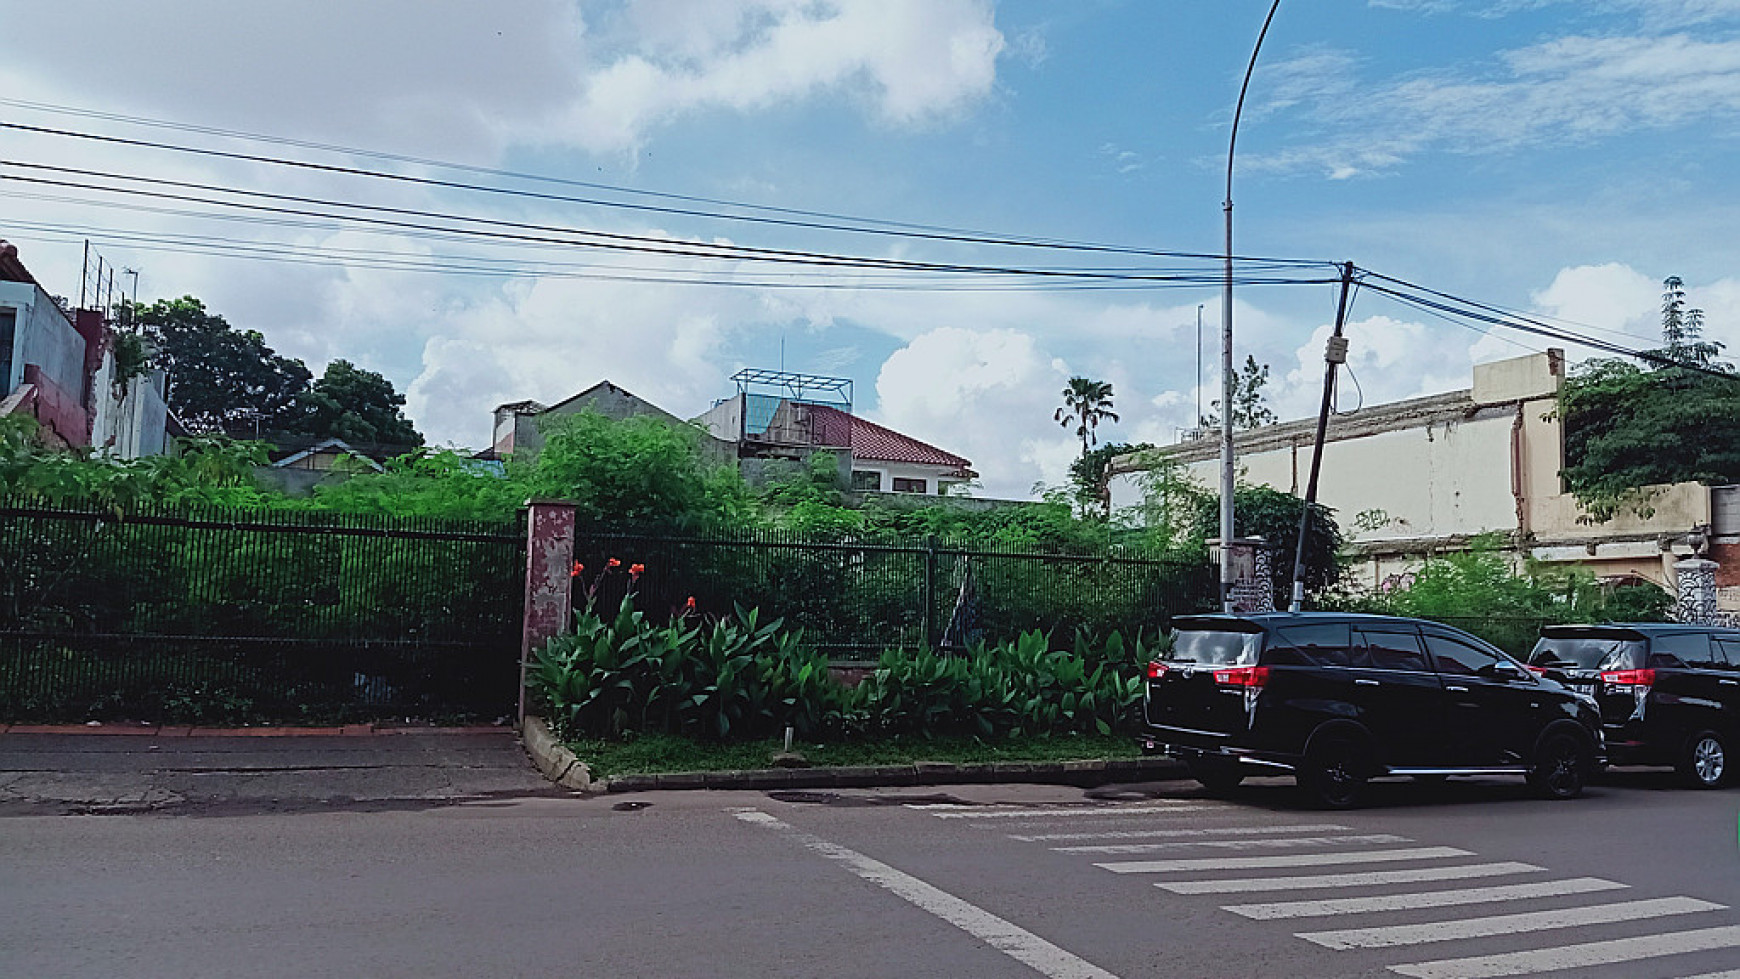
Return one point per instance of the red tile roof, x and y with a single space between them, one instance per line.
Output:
869 440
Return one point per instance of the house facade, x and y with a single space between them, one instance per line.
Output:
1414 477
60 368
759 433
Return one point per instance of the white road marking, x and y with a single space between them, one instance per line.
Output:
1289 860
1729 974
1062 812
1256 844
1311 882
1424 899
1575 956
1146 834
1017 943
1508 924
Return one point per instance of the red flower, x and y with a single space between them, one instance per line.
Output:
636 570
613 563
689 606
578 570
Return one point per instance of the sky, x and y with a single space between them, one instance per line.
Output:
1558 157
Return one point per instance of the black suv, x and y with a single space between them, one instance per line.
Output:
1338 698
1669 694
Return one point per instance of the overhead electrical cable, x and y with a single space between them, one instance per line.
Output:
577 237
932 235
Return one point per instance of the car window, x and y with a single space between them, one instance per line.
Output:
1394 650
1730 649
1216 648
1690 648
1456 656
1589 653
1324 643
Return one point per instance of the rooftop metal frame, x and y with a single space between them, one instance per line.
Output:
811 388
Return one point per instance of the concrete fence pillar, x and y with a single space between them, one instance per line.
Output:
1696 585
549 582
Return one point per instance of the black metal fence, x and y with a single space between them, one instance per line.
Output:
855 599
224 616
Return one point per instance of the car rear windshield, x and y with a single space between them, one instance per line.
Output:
1215 648
1589 653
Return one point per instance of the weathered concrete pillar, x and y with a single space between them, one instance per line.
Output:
1696 579
549 582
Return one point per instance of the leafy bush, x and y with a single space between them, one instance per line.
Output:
1478 591
739 678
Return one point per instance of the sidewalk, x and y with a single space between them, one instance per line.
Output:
142 729
52 770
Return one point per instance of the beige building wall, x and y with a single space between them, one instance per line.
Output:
1424 475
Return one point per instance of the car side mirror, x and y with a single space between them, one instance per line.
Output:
1502 671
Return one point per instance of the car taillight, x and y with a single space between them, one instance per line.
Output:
1156 669
1252 677
1629 678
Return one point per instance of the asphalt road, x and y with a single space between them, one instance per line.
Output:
1637 879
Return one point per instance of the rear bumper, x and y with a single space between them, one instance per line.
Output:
1188 745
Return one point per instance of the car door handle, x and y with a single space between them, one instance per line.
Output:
1367 683
1731 683
1454 689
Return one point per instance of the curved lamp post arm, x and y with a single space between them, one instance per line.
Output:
1226 344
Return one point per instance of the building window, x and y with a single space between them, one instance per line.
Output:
8 334
908 485
866 479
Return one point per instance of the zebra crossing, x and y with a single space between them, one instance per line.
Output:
1351 874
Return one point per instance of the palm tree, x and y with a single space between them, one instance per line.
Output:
1086 403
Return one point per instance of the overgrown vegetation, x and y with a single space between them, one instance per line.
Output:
1478 591
1676 419
736 677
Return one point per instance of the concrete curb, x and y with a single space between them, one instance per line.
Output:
552 757
1085 774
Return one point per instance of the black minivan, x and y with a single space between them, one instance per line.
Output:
1339 698
1669 694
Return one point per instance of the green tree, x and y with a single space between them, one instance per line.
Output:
356 405
221 378
1250 406
1629 427
1259 511
1086 403
1091 475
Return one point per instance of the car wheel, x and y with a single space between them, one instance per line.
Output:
1216 778
1560 766
1705 764
1334 771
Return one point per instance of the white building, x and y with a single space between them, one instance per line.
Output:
60 368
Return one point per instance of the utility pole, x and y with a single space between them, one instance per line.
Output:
1197 424
1334 355
1227 477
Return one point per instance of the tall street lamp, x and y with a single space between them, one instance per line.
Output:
1226 342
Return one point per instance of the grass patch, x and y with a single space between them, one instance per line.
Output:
651 754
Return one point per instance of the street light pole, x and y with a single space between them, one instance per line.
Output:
1226 341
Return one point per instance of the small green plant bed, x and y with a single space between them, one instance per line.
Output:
656 754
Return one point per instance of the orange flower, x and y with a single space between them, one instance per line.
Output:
578 570
636 570
613 563
689 606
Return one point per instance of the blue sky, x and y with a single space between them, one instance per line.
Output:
1557 157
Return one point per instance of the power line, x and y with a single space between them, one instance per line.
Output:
587 238
945 235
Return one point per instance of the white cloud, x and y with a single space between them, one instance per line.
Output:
1564 90
913 61
985 394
